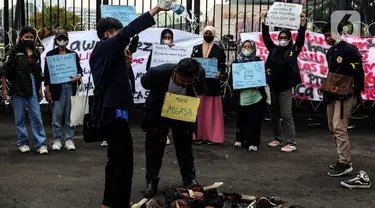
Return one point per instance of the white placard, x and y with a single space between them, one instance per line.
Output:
163 54
284 15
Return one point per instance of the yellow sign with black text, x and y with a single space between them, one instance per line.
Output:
180 107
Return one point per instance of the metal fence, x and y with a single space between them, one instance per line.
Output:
229 17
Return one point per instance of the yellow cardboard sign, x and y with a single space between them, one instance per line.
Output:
180 107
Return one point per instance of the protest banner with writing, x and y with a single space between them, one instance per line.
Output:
249 74
313 64
62 67
209 65
180 107
125 14
284 15
163 54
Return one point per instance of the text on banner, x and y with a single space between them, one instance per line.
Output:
209 65
163 54
125 14
62 67
248 75
284 15
180 107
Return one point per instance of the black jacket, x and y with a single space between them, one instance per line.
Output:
55 89
110 72
212 87
157 80
236 93
16 70
345 59
291 56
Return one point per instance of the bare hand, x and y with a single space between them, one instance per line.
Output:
171 45
265 17
218 75
74 79
302 19
4 93
49 97
40 95
128 56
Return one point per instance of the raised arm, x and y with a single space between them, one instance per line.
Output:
300 40
266 35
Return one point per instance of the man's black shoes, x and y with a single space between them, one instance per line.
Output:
362 180
340 169
151 188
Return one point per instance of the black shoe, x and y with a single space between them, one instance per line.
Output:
361 181
151 188
191 183
333 166
341 169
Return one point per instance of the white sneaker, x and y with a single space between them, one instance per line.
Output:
24 148
104 144
289 148
56 146
42 150
69 145
274 143
238 144
168 141
253 148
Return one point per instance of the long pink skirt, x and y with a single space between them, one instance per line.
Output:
210 119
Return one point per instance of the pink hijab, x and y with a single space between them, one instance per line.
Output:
206 47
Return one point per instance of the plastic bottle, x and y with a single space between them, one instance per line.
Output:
179 9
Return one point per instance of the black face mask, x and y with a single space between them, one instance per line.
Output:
28 42
208 38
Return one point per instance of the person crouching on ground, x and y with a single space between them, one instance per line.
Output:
343 58
282 75
23 71
185 78
250 103
113 97
58 95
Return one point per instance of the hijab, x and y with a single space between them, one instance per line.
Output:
206 47
163 33
252 57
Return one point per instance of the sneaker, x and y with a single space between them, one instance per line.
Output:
253 148
238 144
168 141
209 142
42 150
104 144
289 148
56 146
341 169
333 166
275 143
69 145
24 148
198 142
362 180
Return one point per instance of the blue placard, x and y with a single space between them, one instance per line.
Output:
209 65
249 74
61 67
125 14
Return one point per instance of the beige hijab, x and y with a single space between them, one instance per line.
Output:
206 47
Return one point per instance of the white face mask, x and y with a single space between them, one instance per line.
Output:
247 52
337 37
167 42
284 43
62 43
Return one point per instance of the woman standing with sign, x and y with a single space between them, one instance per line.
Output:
166 38
282 75
210 112
58 95
22 69
250 103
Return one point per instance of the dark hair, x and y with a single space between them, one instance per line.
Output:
25 30
286 32
327 28
188 67
163 33
107 24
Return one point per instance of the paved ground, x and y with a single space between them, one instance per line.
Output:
75 179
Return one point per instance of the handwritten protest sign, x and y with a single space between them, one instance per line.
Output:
209 65
125 14
163 54
247 75
61 67
180 107
284 15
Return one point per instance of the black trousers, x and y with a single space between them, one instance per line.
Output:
156 139
119 168
249 124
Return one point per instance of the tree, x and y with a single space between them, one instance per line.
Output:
55 17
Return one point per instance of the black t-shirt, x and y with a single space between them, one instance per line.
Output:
281 72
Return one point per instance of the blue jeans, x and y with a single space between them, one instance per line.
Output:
19 107
61 112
